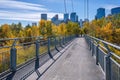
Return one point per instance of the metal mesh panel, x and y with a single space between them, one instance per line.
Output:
25 53
4 61
95 47
101 58
43 47
115 70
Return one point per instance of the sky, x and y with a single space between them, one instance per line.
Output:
28 11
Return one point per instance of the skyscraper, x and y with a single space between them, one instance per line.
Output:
73 17
55 20
76 19
34 24
66 17
115 10
100 13
43 16
81 23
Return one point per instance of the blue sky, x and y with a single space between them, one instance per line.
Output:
28 11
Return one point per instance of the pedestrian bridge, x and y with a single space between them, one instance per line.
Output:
81 58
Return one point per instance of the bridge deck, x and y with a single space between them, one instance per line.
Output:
75 64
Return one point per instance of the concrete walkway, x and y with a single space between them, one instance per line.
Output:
76 63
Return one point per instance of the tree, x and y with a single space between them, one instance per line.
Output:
6 31
45 28
35 31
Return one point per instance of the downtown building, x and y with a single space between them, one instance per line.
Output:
56 20
115 10
43 16
100 13
73 17
66 17
81 23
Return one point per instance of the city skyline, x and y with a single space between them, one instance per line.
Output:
27 11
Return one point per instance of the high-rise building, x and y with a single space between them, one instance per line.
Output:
81 23
55 20
73 17
34 24
115 10
43 16
66 17
76 19
100 13
86 20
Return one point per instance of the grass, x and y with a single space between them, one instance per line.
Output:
24 53
4 61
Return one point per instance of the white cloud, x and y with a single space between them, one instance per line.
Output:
10 4
26 16
110 6
9 12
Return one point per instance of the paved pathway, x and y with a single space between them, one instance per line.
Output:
75 64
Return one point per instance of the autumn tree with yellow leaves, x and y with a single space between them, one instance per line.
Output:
107 28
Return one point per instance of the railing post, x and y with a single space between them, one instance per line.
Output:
68 38
13 59
92 48
97 54
56 44
63 40
49 48
37 49
90 44
61 43
108 66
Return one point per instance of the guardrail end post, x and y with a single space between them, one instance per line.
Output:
13 59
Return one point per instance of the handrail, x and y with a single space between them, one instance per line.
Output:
115 46
10 56
107 43
105 57
5 39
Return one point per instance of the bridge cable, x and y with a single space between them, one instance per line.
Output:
87 9
84 9
65 6
72 6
